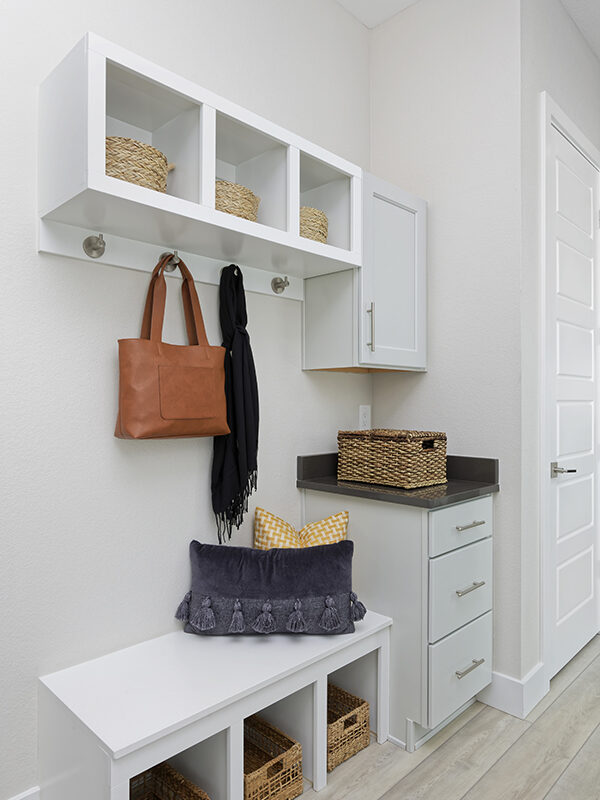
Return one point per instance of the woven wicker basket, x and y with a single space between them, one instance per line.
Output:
272 762
347 726
233 198
136 162
163 783
313 224
407 459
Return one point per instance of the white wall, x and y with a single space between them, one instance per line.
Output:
445 87
95 530
555 59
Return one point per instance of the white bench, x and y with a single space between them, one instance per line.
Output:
184 698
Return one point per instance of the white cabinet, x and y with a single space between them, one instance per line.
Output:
100 89
374 317
437 589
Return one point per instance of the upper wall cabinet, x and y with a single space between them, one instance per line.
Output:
375 317
101 90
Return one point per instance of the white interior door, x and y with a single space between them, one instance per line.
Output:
571 531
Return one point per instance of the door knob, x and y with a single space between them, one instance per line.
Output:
556 470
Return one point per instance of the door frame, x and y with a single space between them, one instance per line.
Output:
553 116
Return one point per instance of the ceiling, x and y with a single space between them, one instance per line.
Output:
373 12
586 15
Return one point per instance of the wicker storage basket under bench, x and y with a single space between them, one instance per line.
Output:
164 783
272 762
406 459
348 729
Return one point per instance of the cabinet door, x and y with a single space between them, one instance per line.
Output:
393 285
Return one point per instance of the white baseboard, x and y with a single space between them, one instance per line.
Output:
513 695
30 794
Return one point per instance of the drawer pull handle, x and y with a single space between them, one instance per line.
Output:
471 588
475 524
476 663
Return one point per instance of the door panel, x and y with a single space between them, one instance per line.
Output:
571 394
392 280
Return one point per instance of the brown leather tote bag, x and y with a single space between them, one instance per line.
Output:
169 391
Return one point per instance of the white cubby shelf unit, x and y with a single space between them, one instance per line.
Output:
101 89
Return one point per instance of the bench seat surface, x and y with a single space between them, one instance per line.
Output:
136 695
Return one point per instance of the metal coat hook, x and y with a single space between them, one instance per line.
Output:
94 246
172 262
279 284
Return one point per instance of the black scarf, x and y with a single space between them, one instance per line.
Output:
234 469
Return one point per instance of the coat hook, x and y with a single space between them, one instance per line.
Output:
279 284
94 246
172 262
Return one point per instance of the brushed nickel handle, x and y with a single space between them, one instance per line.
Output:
371 311
475 524
556 470
471 588
460 674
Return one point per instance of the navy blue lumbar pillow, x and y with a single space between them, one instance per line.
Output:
239 590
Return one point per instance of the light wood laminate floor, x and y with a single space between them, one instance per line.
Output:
487 755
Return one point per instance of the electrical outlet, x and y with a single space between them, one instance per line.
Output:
364 418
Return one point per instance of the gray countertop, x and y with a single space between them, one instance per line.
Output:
468 477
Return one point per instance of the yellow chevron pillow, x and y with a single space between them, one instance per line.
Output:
271 531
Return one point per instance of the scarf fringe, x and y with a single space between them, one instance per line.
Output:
233 515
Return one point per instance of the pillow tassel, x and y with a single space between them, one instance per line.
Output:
204 618
183 610
296 623
265 623
357 609
237 620
330 619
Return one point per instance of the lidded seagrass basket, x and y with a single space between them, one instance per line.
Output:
313 224
406 459
272 762
136 162
164 783
233 198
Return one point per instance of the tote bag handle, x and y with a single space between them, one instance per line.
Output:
154 311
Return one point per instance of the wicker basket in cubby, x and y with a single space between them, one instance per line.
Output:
136 162
407 459
313 224
347 726
233 198
164 783
272 762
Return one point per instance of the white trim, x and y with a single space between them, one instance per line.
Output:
516 696
30 794
410 726
551 116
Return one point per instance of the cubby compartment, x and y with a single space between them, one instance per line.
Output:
360 679
293 715
205 765
257 161
141 109
329 190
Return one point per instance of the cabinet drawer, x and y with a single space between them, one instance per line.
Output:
460 588
466 653
458 525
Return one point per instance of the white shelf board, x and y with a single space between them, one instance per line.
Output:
134 212
137 695
66 240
